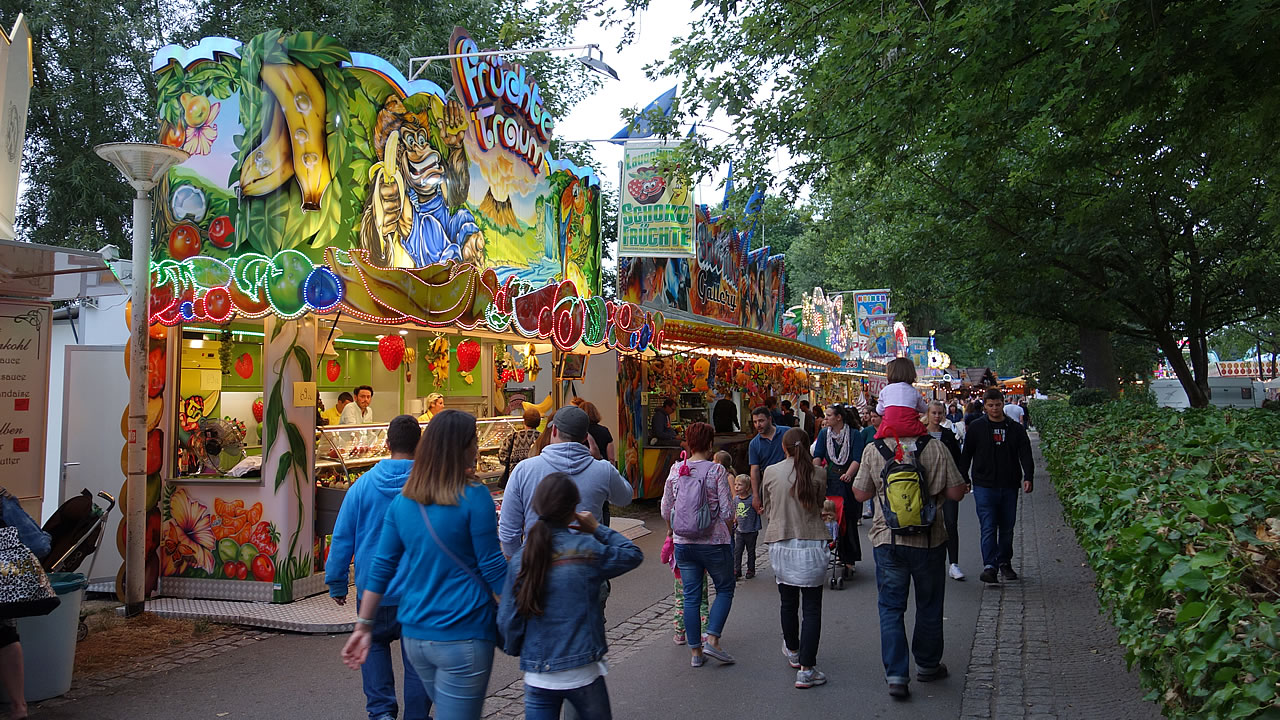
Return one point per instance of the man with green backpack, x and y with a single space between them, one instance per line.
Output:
908 478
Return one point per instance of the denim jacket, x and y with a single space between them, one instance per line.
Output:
570 631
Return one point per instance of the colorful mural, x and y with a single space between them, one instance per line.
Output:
323 180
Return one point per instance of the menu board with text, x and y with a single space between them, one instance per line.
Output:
25 330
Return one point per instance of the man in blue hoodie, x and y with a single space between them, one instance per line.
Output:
356 533
598 481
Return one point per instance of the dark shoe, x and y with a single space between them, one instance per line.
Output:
937 673
737 576
750 575
989 576
899 691
1006 572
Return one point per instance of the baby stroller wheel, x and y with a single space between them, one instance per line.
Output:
839 583
833 583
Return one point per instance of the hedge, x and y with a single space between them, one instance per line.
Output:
1178 513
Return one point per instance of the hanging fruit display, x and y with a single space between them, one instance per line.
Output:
391 349
410 355
257 411
468 358
438 361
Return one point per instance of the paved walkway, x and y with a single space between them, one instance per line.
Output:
1036 648
1042 647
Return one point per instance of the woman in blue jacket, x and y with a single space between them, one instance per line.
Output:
553 595
443 530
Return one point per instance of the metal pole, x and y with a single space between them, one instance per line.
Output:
135 509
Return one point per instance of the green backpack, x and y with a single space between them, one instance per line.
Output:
905 502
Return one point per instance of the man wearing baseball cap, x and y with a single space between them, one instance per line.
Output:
598 481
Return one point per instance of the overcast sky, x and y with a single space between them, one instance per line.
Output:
597 116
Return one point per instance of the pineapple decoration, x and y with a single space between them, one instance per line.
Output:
438 361
468 358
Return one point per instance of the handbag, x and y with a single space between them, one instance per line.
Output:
484 586
25 590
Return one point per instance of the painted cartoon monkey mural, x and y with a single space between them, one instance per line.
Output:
415 214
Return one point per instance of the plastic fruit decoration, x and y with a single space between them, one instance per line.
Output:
332 370
244 366
220 232
391 349
468 358
410 355
184 241
257 410
438 361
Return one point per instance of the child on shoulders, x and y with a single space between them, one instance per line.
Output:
901 405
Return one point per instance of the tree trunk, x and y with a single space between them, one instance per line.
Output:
1098 359
1198 346
1196 396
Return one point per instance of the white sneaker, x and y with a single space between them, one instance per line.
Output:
793 658
806 679
955 572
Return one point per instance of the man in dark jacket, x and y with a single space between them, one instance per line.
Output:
997 455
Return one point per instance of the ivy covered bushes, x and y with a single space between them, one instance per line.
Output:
1179 513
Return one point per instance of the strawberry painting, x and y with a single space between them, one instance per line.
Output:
244 366
646 185
332 370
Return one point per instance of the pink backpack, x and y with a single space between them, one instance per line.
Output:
693 508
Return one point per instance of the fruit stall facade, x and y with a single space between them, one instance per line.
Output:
340 226
727 346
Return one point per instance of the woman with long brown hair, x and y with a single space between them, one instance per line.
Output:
440 541
553 595
793 494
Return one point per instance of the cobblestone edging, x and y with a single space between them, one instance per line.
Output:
1009 667
110 680
625 639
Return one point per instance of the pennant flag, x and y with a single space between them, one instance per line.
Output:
693 130
640 128
728 189
755 204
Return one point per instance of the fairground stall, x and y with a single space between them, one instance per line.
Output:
341 229
726 349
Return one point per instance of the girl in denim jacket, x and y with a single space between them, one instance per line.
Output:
553 591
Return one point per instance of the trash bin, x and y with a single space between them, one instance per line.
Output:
49 641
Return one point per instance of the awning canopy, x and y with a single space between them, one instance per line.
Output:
44 272
695 335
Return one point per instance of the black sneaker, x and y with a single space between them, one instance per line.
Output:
1006 572
989 576
937 673
899 691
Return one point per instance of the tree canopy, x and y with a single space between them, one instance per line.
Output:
1102 164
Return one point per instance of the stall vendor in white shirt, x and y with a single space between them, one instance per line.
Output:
359 412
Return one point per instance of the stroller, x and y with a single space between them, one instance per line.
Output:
76 529
834 562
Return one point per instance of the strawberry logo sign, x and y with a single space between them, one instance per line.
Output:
646 185
332 370
391 348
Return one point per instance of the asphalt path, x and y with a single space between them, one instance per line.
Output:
301 676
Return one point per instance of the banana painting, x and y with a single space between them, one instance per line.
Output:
269 165
294 144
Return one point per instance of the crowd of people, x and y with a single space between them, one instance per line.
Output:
437 569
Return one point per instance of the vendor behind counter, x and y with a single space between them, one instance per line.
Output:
660 431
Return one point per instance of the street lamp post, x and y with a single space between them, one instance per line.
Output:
143 165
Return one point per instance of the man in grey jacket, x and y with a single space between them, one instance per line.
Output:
598 481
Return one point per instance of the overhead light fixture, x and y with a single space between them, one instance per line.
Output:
404 332
597 63
379 336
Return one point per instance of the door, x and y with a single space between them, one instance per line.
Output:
95 395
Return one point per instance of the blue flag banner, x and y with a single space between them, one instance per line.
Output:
640 127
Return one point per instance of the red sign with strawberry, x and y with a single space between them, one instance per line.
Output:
646 185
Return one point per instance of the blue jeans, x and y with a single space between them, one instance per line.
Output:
455 674
898 568
590 701
997 511
716 561
378 674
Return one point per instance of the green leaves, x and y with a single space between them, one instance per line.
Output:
1173 509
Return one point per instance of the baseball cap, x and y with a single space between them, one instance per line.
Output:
572 422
